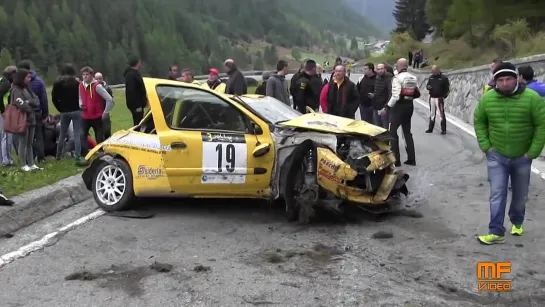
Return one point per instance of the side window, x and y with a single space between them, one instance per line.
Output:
187 108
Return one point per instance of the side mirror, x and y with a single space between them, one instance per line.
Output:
261 150
256 129
310 110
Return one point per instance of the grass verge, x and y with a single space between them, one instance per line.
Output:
456 54
13 181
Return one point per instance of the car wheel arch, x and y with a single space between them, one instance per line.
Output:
124 166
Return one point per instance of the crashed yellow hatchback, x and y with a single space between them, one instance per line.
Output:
195 142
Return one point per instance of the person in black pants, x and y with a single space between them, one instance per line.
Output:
401 108
135 90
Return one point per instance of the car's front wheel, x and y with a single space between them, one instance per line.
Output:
113 186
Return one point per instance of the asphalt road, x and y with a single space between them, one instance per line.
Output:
246 254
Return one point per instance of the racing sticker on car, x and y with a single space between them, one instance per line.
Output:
224 158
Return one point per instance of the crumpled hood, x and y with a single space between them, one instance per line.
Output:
334 124
33 75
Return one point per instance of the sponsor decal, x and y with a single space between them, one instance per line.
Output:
323 173
150 172
138 143
332 166
222 137
321 123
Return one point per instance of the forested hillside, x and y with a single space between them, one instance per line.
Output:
468 32
195 33
378 12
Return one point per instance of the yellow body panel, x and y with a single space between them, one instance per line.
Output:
171 163
334 124
333 174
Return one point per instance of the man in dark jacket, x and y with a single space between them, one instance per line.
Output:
439 88
342 97
381 95
294 80
65 96
38 87
304 94
6 139
366 89
262 88
236 85
135 90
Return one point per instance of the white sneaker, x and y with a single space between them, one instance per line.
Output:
35 168
26 168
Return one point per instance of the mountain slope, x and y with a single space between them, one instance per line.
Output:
195 33
379 13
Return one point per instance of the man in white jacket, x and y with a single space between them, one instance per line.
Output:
401 108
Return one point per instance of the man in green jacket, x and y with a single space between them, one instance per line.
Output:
510 127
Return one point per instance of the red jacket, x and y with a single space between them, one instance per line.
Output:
92 103
323 98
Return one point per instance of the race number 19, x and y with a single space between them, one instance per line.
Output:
229 151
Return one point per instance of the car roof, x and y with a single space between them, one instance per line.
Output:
159 81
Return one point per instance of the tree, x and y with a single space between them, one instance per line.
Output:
510 32
258 63
436 12
5 58
410 17
354 44
296 54
270 56
462 18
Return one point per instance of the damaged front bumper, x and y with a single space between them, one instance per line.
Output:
374 186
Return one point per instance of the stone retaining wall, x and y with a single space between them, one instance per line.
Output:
466 85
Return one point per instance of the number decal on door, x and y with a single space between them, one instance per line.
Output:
230 157
224 158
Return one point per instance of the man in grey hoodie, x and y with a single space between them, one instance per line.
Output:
277 86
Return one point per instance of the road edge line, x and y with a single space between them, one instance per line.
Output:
36 205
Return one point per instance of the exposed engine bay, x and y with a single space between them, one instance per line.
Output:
356 151
330 170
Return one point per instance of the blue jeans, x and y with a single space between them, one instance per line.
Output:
366 113
77 125
381 120
500 169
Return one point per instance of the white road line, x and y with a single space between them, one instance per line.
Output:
467 128
47 239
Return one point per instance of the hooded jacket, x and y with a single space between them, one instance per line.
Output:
135 90
277 87
38 87
65 94
26 101
537 86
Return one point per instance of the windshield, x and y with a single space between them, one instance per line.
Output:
272 109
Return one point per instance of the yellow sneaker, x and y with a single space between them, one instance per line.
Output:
517 230
491 239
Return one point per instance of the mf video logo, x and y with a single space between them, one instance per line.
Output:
491 276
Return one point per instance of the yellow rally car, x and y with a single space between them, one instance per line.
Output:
195 142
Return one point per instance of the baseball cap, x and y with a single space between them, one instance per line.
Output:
214 71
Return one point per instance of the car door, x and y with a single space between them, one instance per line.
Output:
211 141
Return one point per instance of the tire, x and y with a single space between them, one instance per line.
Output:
104 175
294 175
